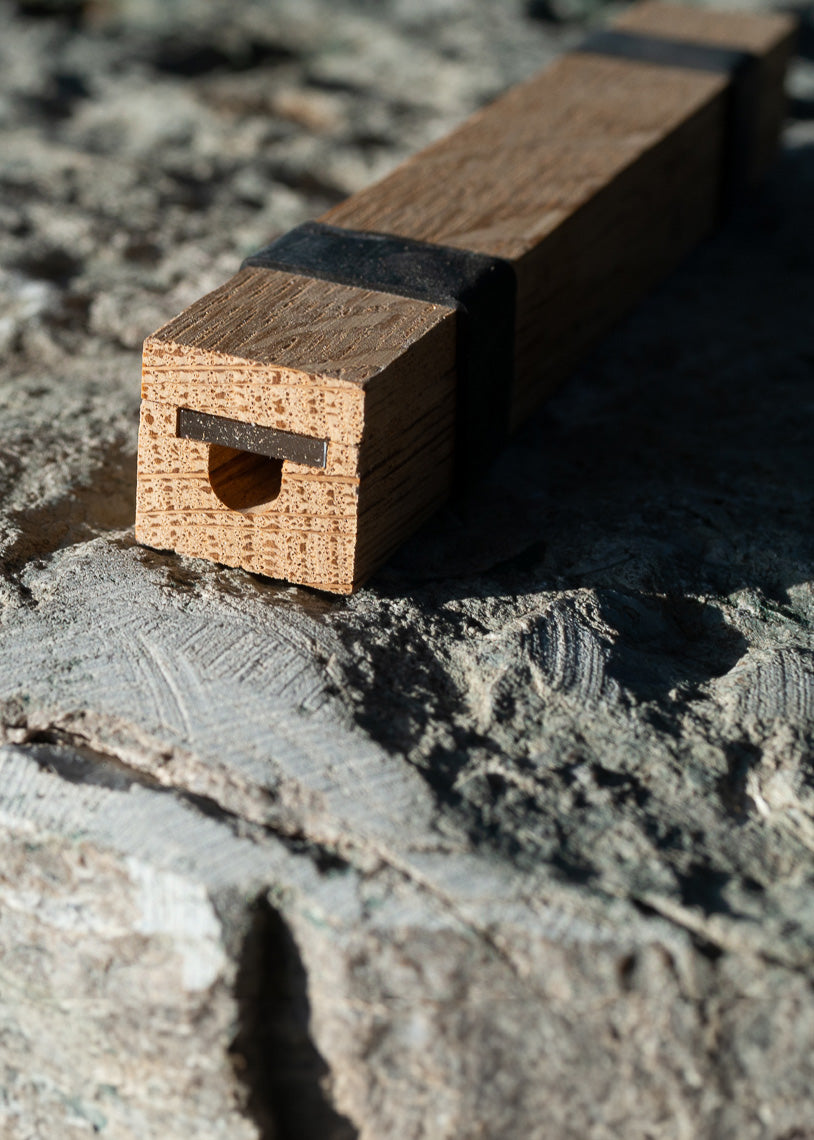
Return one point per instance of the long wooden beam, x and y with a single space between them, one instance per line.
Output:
587 184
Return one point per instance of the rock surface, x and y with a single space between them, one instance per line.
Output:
519 840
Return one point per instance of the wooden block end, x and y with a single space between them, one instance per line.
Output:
386 411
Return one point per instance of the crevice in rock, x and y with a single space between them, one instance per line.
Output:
75 758
273 1053
72 758
709 949
741 757
284 1075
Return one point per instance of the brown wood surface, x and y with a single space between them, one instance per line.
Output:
593 179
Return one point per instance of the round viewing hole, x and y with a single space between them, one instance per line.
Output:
244 481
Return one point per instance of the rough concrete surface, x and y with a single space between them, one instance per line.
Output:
518 842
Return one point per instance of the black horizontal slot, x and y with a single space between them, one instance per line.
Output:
251 437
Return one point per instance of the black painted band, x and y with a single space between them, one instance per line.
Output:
742 102
251 437
482 289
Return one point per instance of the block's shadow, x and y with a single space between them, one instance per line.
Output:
679 460
673 471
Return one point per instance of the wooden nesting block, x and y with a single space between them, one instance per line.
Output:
589 182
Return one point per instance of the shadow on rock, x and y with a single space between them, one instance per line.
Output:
666 642
279 1064
96 506
679 460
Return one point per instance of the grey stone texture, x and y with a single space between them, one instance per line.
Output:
518 842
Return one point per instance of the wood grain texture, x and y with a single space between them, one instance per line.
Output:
593 179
